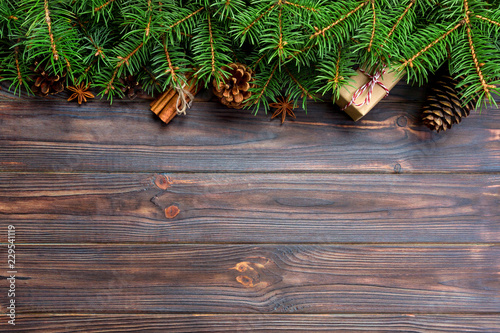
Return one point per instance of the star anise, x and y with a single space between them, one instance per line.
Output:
284 107
80 92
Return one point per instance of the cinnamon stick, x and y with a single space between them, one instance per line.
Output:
155 101
170 109
167 95
163 100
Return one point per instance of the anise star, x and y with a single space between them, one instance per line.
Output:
80 92
284 107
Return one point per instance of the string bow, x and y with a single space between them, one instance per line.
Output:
374 79
182 93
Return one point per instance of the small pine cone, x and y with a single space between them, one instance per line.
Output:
233 90
131 87
444 106
46 84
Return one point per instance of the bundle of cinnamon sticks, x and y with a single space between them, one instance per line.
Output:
165 106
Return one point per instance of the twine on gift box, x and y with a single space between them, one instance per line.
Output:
374 79
182 93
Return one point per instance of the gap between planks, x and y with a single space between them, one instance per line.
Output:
259 172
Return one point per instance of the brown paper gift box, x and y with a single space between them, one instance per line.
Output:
389 79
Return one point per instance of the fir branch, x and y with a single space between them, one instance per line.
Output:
49 25
212 49
337 70
149 20
296 53
225 16
260 16
89 67
103 5
407 9
280 24
170 66
304 90
155 81
266 84
486 87
254 67
487 19
18 69
374 24
99 51
300 6
440 38
187 17
340 20
68 65
123 60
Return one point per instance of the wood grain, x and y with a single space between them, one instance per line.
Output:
126 137
251 208
257 279
58 323
319 225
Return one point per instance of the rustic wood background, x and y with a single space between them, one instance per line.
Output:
223 221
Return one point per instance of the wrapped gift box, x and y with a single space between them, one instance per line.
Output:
390 78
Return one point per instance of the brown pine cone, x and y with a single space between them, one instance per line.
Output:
444 106
46 84
233 90
130 86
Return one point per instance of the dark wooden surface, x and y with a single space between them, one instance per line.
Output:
224 221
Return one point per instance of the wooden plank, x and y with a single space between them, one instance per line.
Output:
126 137
257 279
177 323
251 208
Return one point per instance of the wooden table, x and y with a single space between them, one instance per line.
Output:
223 221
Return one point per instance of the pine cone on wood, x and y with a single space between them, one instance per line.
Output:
233 90
444 106
45 84
130 86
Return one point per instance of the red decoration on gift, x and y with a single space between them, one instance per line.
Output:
374 79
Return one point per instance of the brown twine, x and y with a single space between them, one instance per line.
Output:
182 94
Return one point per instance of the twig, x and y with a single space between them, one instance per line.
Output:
487 19
374 24
260 17
49 25
300 6
187 17
486 87
167 54
304 90
120 64
443 36
280 23
337 68
19 76
211 42
322 31
267 83
103 5
412 2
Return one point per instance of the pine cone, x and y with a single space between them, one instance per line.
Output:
130 86
444 106
46 84
234 89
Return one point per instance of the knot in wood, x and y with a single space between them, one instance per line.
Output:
163 182
172 211
245 281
